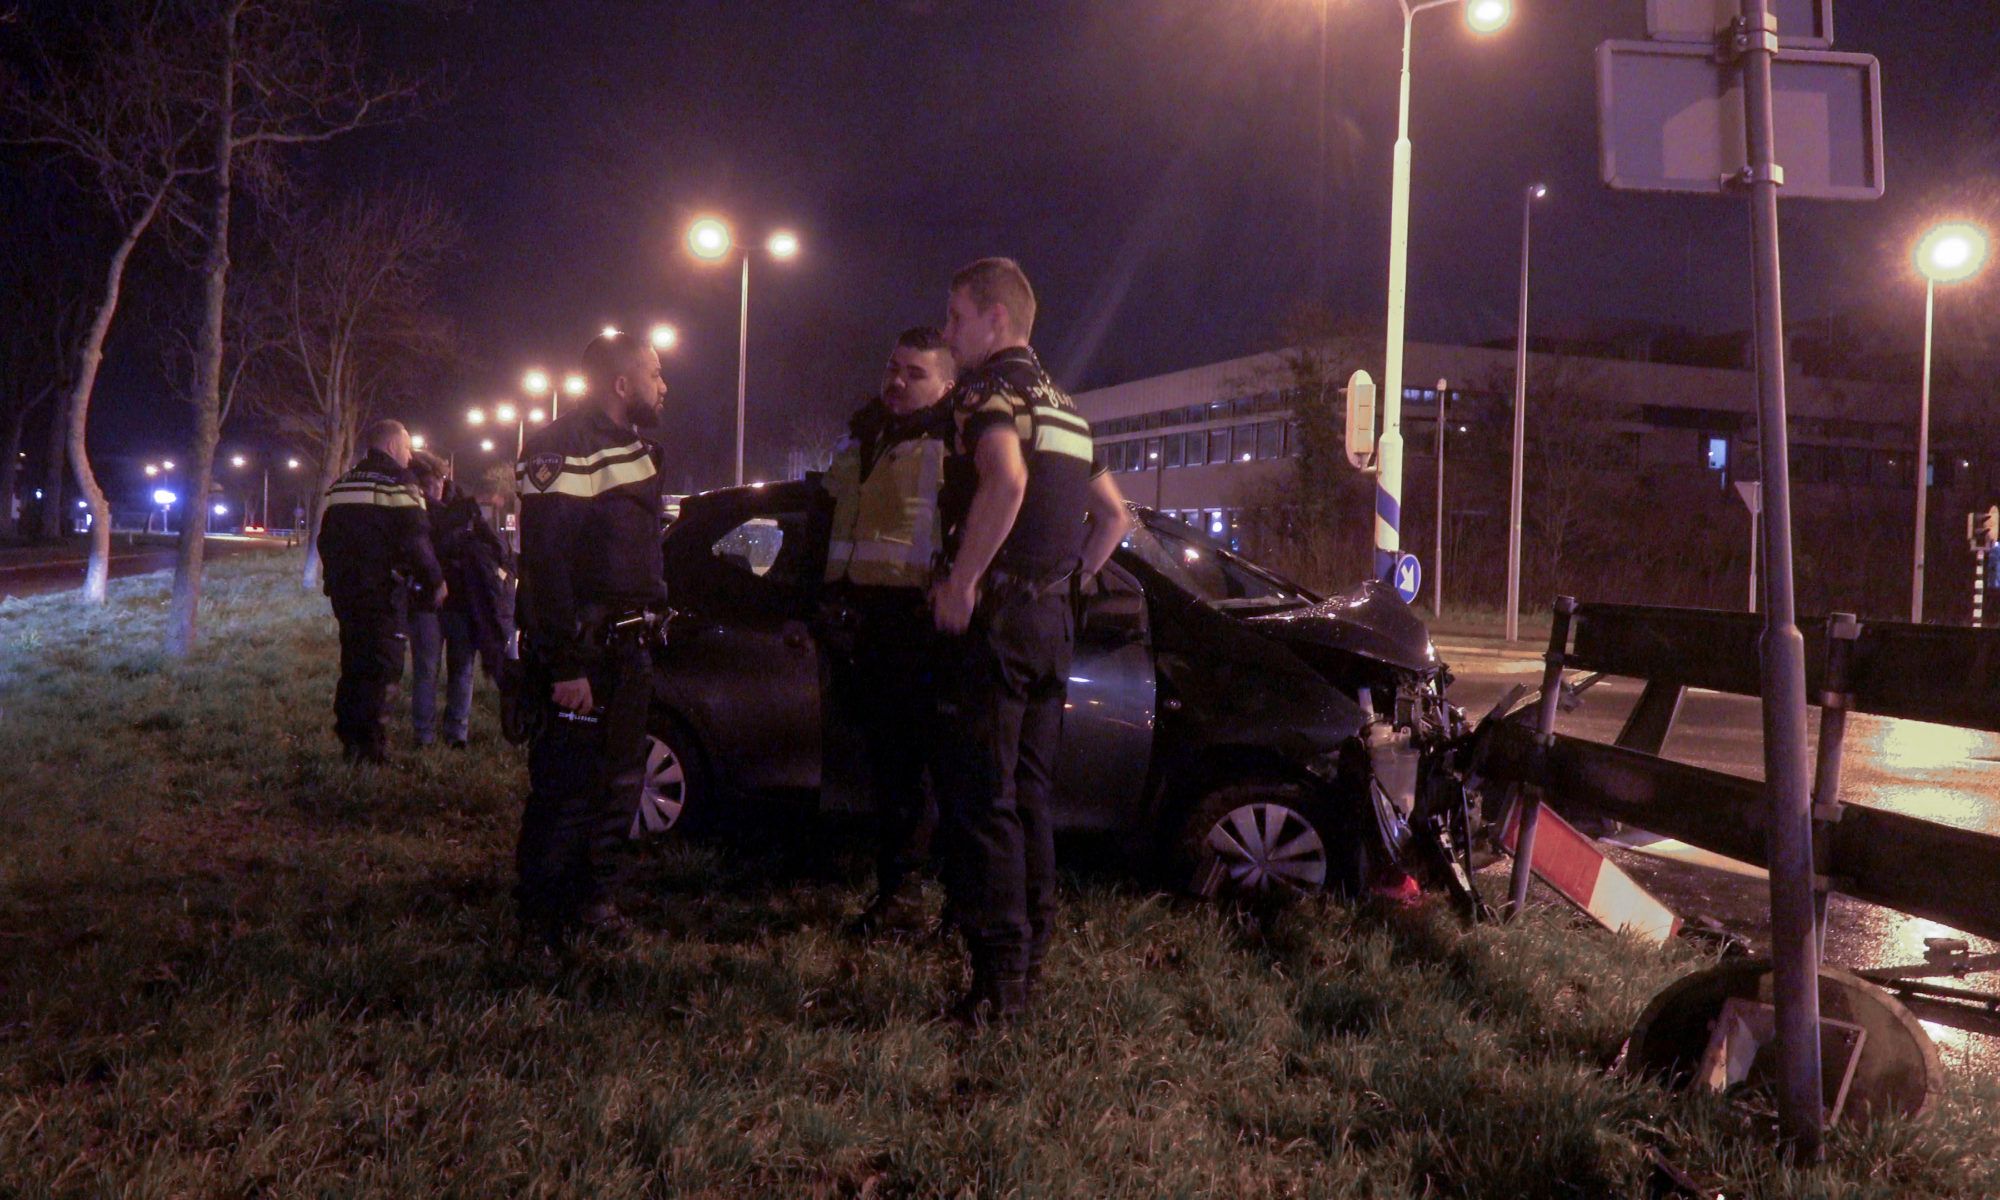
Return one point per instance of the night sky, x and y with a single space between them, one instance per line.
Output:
1150 162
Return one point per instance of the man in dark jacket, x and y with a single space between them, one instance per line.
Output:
374 541
591 505
468 620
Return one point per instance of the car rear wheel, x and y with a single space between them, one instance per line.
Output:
1267 842
672 795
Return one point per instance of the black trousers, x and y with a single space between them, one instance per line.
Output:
584 775
371 664
886 674
1002 726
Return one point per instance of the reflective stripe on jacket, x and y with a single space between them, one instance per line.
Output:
886 529
374 533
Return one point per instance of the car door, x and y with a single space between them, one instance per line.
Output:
1108 719
740 663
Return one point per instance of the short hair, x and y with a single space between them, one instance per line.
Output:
993 281
383 433
612 354
428 467
922 337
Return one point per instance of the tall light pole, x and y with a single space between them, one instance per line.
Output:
1437 552
1481 16
1534 192
710 240
1949 253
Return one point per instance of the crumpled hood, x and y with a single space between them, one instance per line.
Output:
1370 621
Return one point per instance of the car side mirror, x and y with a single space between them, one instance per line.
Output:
1115 618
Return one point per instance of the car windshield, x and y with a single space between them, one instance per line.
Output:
1206 570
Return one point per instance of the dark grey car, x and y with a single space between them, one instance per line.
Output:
1256 738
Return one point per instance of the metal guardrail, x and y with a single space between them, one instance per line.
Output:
1941 674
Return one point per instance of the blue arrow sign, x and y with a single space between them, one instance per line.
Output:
1409 578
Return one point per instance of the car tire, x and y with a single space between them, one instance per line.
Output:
1261 843
674 796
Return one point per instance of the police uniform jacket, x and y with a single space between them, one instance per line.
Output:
375 535
884 479
1011 390
591 508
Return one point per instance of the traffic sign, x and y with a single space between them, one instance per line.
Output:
1408 577
1361 420
1802 24
1671 119
1752 492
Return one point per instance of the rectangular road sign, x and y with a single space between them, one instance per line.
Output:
1802 24
1670 118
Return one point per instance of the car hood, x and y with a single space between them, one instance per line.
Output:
1370 621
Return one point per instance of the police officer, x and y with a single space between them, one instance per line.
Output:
884 480
1019 486
590 490
374 540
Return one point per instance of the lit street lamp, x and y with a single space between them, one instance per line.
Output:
1949 253
1481 16
709 239
665 338
1534 192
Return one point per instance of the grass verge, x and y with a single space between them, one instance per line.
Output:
230 966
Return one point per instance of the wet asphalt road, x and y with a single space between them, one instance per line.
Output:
1950 776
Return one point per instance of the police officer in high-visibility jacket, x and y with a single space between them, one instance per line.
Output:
591 507
886 536
374 540
1028 517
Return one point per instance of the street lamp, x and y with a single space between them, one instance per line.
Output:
710 240
1949 253
665 337
1532 193
1481 16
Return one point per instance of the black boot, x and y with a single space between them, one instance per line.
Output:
991 1000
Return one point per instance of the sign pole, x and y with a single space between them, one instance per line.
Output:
1794 936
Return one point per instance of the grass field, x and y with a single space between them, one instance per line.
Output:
232 967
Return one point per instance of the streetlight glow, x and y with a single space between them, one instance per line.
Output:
610 331
163 497
292 464
222 510
486 444
151 470
474 416
1488 16
166 465
1539 190
504 413
784 244
236 460
664 337
537 416
709 239
416 441
574 384
1952 252
535 382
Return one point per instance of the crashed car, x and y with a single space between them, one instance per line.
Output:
1254 739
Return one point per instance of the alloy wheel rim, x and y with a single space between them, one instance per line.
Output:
1261 850
663 795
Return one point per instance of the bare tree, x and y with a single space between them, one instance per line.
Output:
276 77
349 288
119 112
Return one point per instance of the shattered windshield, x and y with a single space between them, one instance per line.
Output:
1206 570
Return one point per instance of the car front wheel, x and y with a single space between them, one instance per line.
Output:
1265 842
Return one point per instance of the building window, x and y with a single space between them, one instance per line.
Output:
1294 438
1173 450
1218 445
1244 443
1271 439
1718 453
1197 449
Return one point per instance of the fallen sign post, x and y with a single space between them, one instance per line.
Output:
1712 121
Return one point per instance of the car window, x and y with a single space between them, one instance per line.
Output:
771 548
1203 568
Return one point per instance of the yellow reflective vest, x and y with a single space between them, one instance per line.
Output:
886 528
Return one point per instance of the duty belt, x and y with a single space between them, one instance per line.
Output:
1001 584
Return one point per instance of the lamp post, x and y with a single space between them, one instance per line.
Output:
1949 253
1437 552
710 240
1534 192
1481 16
